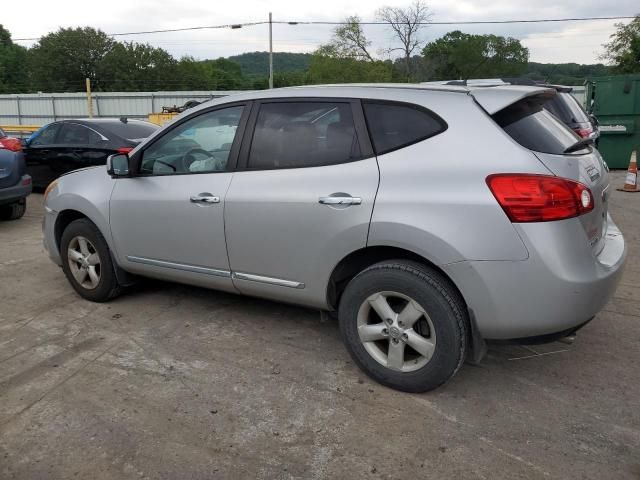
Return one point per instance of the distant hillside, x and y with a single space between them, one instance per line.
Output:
565 73
257 63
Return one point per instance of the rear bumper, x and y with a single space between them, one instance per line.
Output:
17 192
559 287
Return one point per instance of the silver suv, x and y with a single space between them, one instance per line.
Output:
429 218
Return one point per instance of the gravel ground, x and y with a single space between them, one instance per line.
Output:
176 382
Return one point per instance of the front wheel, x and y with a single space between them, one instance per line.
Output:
404 325
87 263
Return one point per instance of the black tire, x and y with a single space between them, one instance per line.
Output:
107 286
435 295
14 210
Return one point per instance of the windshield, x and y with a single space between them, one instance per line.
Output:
533 127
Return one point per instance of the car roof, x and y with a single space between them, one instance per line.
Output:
491 98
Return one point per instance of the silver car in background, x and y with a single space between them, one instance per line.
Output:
429 218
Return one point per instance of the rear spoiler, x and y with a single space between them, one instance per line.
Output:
494 99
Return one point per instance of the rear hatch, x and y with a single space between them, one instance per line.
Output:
527 121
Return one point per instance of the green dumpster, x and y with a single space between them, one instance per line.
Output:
615 101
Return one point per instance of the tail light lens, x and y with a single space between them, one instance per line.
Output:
124 149
539 198
583 132
10 143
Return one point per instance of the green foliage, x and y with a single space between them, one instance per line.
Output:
326 69
460 55
257 63
132 66
13 65
60 61
565 73
623 51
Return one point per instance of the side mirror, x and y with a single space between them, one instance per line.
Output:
118 165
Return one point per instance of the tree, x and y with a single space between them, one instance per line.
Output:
13 65
459 55
328 69
60 61
349 41
406 24
136 66
623 51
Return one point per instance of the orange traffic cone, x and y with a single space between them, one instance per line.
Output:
631 182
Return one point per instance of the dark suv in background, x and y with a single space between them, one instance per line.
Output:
15 184
563 105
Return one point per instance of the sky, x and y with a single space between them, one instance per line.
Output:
579 42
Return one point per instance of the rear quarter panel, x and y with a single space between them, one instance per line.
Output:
433 198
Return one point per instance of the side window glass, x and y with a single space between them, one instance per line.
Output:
46 136
201 144
303 134
73 134
397 125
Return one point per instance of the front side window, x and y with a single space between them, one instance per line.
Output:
396 125
303 134
200 145
45 136
73 134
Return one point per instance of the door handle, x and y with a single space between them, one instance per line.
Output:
205 198
346 200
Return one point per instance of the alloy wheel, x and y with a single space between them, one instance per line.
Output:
84 262
396 331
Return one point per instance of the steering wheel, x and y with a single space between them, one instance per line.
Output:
187 159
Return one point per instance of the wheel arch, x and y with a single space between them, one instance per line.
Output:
358 260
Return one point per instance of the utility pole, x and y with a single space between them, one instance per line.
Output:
270 51
89 101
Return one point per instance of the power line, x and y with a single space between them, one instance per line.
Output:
313 22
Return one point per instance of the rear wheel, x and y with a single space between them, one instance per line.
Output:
13 211
87 263
404 325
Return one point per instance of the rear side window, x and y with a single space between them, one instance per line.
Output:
533 127
396 125
303 134
73 134
132 130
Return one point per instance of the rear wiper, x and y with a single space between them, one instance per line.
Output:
579 145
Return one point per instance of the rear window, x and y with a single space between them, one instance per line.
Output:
396 125
564 106
131 130
533 127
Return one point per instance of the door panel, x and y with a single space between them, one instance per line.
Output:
277 227
159 231
168 222
308 206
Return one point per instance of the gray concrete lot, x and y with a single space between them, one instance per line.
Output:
176 382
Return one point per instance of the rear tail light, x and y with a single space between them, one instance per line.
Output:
539 198
583 132
10 143
124 149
